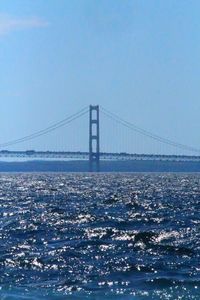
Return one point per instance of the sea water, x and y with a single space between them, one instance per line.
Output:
100 236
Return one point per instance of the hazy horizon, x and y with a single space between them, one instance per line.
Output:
139 59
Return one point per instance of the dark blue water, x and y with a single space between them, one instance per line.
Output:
103 236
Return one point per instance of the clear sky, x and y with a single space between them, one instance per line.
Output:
137 58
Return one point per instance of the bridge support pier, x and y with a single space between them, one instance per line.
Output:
94 140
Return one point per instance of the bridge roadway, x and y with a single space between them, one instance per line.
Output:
31 154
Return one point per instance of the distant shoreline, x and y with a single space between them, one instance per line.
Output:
105 166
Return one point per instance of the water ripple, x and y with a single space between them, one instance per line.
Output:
116 235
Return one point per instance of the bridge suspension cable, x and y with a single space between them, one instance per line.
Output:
47 130
146 133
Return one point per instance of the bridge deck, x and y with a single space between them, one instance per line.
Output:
85 156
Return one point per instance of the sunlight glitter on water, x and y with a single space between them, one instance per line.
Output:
90 236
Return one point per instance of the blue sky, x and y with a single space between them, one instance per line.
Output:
138 58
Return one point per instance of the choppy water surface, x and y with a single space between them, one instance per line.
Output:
100 236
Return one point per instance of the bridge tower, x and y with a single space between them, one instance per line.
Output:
94 140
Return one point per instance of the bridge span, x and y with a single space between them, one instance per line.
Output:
94 155
77 155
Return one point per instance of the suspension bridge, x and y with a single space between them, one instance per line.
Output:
94 154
